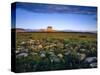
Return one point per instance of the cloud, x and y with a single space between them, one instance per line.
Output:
54 8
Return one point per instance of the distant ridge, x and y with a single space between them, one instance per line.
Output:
44 30
20 30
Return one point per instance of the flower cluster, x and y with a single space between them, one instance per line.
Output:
55 54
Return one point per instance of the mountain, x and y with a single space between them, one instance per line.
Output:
45 30
28 30
78 31
20 30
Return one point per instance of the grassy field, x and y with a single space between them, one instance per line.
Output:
56 35
45 51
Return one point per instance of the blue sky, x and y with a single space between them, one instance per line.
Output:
39 16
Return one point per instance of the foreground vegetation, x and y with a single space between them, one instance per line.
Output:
55 51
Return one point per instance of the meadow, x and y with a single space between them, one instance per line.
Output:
56 35
46 51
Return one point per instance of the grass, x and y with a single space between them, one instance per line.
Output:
76 44
55 35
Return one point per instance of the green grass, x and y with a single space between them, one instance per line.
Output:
75 43
55 35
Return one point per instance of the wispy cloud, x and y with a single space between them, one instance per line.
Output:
51 8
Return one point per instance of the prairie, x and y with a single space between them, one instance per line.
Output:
45 51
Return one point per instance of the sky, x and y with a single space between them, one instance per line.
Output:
60 17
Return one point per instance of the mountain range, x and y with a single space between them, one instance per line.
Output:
44 30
